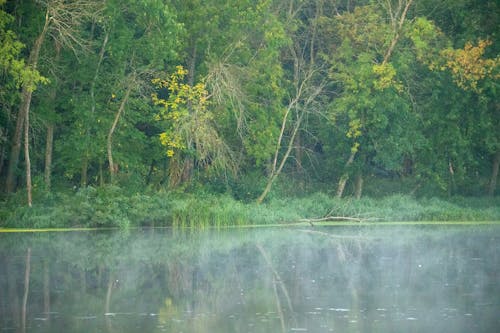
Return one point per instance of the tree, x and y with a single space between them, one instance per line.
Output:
190 129
306 86
21 74
61 20
113 97
363 67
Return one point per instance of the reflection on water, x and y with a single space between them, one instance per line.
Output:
336 279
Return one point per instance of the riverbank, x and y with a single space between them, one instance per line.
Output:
111 207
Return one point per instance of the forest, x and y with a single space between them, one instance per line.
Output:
135 110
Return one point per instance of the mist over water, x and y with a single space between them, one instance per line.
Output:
322 279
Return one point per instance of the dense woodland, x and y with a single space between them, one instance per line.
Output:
249 97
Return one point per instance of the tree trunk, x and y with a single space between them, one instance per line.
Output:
494 174
268 187
112 168
397 33
192 64
150 172
101 174
3 146
342 183
359 186
10 182
48 155
50 126
84 171
345 177
275 172
451 184
187 169
27 157
299 152
305 94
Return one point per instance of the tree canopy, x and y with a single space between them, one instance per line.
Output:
331 95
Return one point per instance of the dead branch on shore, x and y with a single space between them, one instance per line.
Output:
311 221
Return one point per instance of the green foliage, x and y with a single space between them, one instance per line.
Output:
110 207
10 61
407 104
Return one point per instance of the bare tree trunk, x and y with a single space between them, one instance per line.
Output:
192 64
451 184
84 171
48 155
112 168
10 182
101 174
85 161
397 32
494 174
359 186
26 290
345 177
275 171
305 94
150 172
342 183
187 169
27 157
50 126
299 152
2 157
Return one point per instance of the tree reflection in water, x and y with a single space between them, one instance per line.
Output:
359 279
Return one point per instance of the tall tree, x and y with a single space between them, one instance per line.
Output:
61 21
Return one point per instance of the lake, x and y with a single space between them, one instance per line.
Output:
294 279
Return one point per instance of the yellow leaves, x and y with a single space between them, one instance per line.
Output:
385 74
180 71
354 129
354 132
183 103
355 147
172 141
468 66
156 81
180 94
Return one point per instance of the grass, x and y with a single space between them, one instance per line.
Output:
109 207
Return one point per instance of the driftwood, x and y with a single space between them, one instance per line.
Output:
312 221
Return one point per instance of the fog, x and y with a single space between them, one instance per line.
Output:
321 279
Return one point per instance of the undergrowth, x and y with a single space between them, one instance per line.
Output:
110 206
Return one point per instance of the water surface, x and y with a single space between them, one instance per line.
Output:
321 279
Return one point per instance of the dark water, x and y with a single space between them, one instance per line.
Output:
335 279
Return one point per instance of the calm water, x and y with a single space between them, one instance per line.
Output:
335 279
